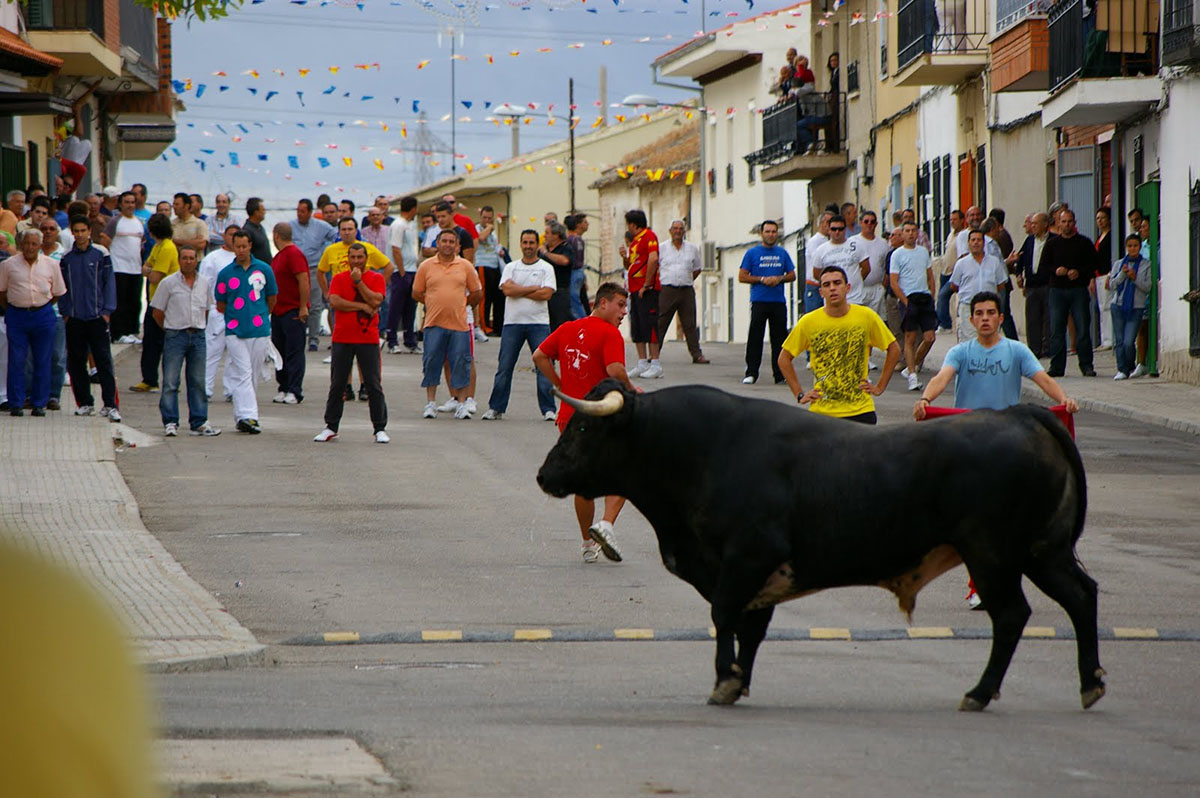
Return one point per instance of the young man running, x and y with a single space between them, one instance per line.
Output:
590 350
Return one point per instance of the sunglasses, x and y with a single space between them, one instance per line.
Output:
870 221
836 229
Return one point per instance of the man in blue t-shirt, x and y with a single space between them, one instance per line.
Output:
989 369
245 294
766 268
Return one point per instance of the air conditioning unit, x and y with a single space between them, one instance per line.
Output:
709 257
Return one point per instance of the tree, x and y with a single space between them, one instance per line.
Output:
192 9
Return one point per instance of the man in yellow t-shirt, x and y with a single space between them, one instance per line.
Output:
839 337
334 258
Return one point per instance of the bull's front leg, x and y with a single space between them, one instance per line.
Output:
736 586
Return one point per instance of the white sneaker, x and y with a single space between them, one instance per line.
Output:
85 410
450 406
462 412
905 373
206 431
395 350
973 601
111 414
602 533
914 382
639 369
747 380
328 359
171 430
873 367
1120 375
382 437
653 372
415 350
480 336
325 435
470 405
549 415
1138 371
591 552
290 399
491 415
278 398
431 410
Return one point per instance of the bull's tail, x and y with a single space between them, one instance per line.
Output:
1065 442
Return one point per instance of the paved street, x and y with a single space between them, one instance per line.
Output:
444 531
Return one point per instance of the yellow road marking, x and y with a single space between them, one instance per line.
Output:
918 632
341 637
633 634
532 634
1040 631
828 633
433 635
712 631
1135 632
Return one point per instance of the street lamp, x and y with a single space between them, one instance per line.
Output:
513 114
648 101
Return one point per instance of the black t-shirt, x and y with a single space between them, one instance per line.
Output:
1077 252
562 274
259 246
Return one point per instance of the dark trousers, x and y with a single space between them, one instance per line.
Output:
339 377
1009 325
763 314
1075 302
29 331
1037 319
493 300
943 303
152 346
682 299
124 320
83 336
402 309
289 335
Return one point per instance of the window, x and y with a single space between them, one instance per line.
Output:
852 77
712 182
882 27
750 178
729 177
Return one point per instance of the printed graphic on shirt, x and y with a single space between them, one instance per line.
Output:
839 360
986 365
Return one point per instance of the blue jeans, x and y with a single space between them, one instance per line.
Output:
180 345
577 278
512 337
812 298
1125 330
30 332
1073 301
804 131
443 345
58 360
943 303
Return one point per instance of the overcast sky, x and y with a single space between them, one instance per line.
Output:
397 35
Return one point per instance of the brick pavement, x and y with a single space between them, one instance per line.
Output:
62 496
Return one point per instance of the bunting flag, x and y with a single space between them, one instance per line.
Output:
293 162
348 160
378 164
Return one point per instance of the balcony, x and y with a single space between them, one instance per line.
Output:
1020 52
804 138
1181 34
73 30
940 42
1103 67
139 46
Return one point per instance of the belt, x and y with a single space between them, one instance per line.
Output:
810 282
28 310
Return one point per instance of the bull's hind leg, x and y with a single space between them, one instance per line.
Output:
1064 581
1005 603
749 635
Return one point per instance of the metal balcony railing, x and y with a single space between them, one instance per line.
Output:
1117 38
1181 35
824 128
66 15
852 77
940 27
139 30
1010 12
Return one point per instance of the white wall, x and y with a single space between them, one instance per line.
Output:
1174 152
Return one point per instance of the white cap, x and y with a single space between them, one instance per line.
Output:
111 191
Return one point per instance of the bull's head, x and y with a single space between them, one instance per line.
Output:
592 453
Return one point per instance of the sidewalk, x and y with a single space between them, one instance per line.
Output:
62 496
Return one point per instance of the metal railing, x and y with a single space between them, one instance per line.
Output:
1181 35
824 120
1010 12
852 77
940 27
139 30
1118 38
66 15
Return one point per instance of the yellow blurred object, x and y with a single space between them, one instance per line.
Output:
76 721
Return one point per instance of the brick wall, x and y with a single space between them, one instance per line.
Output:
112 25
1082 135
160 102
164 54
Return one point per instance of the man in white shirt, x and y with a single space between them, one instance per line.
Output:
126 233
873 251
214 332
945 267
527 285
840 252
974 273
812 286
974 218
404 242
678 267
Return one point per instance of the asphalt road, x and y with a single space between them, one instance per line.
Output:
445 529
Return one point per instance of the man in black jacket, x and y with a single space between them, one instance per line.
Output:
1035 287
1069 262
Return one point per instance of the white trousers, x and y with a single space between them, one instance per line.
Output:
966 330
1102 298
242 370
214 343
875 298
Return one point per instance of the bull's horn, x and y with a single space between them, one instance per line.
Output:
609 405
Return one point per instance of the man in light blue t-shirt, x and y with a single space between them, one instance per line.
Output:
989 369
766 268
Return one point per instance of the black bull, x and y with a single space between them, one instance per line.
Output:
755 502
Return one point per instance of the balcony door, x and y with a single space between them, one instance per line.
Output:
1077 185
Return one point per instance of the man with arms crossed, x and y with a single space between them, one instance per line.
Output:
589 351
840 337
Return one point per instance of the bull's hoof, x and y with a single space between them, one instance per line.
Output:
969 704
1089 697
726 692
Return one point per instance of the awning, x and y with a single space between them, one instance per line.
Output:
23 103
18 55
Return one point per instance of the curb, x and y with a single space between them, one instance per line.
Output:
528 635
1034 394
253 656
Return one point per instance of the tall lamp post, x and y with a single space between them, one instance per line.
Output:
648 101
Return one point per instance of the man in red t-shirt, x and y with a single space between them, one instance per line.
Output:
289 317
643 295
590 350
355 296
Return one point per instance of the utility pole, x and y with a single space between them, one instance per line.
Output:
453 106
571 139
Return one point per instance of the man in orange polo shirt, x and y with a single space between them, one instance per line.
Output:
446 284
643 295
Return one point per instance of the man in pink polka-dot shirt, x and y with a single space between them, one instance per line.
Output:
245 294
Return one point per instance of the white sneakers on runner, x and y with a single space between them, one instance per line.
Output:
325 435
602 533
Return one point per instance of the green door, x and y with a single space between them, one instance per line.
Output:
1146 198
